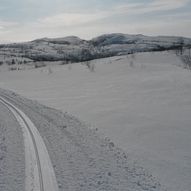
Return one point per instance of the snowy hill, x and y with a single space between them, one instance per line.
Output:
141 101
74 49
118 38
73 40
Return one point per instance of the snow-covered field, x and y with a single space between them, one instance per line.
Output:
81 159
141 102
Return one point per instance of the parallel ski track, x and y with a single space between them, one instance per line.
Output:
3 100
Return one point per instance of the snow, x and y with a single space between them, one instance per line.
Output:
141 103
36 154
75 49
12 166
70 39
82 160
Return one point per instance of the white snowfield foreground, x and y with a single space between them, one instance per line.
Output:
40 174
82 159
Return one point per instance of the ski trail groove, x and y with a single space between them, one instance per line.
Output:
39 172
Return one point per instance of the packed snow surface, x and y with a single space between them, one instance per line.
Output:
12 169
39 173
81 159
142 102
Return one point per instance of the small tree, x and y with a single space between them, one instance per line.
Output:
90 66
132 60
50 70
186 59
13 62
181 46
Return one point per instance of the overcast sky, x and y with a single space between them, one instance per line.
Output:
22 20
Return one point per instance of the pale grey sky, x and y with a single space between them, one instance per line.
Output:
22 20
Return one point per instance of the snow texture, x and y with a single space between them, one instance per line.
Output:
81 159
12 168
74 49
141 101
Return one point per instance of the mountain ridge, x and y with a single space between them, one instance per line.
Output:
75 49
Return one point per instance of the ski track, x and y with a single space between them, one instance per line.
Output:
82 160
38 168
12 154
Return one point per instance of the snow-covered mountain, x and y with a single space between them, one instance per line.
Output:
75 49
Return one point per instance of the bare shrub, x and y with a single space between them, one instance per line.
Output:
132 60
186 59
50 70
12 68
90 66
39 64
